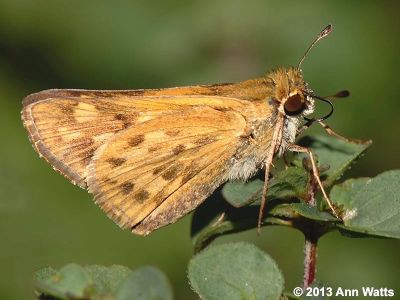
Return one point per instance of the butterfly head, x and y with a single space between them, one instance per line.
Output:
298 104
291 93
296 99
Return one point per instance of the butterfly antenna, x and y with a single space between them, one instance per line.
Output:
327 30
341 94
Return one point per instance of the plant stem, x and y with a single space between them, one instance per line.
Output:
310 261
311 240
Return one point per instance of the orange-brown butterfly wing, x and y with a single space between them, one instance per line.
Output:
177 159
67 126
179 141
66 131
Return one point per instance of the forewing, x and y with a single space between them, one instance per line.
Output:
66 127
177 159
67 131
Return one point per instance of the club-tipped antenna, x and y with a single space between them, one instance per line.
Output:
340 94
327 30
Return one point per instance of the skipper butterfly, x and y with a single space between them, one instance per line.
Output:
150 156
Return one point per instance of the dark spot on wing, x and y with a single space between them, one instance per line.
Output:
172 172
136 140
142 196
126 187
90 152
120 117
161 168
153 148
116 161
108 180
158 170
104 106
82 143
126 120
189 172
172 132
68 110
87 155
178 149
205 140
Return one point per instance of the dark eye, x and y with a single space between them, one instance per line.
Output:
294 105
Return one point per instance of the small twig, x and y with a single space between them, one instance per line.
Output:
312 190
310 261
311 240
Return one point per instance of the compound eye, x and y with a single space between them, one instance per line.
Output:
294 105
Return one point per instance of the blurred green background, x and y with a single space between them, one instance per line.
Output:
44 220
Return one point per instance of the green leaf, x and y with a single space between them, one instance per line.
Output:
292 182
44 273
343 194
71 282
215 217
338 154
286 184
105 283
235 271
106 279
239 193
312 213
146 283
371 206
289 183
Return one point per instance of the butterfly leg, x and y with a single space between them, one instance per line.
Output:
300 149
268 163
276 137
331 132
